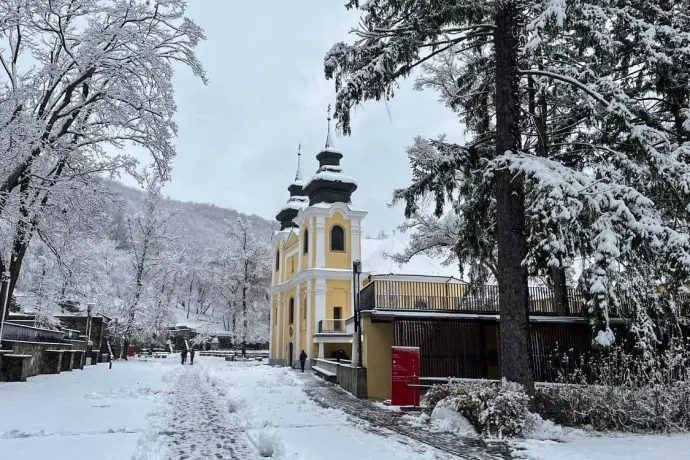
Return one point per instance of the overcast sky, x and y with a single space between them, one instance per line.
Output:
238 135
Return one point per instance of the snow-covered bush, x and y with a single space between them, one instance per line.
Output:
658 408
495 410
445 418
626 392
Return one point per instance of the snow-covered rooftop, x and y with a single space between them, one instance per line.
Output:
334 177
296 202
375 255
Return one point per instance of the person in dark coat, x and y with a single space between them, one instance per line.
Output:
191 356
244 351
302 359
183 355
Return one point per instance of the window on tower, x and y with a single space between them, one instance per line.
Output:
278 260
291 311
305 249
337 238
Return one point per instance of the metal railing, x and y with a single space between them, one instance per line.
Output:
21 333
465 298
336 326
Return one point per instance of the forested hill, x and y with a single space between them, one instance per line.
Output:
204 221
150 262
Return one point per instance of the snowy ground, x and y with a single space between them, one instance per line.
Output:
609 448
158 410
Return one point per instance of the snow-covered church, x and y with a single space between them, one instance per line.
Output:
421 304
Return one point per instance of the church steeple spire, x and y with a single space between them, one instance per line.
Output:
298 174
329 184
297 199
329 135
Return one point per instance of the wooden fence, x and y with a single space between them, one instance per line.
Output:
469 349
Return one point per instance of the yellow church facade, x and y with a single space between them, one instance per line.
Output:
311 289
311 293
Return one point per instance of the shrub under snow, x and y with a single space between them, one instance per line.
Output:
495 410
444 417
658 408
639 391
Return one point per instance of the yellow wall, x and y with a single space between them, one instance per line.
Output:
338 294
287 338
377 340
338 259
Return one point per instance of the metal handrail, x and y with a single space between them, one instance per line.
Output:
332 325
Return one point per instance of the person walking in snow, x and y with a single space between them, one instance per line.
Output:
302 359
191 356
183 355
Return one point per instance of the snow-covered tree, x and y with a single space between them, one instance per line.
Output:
577 124
149 239
83 83
246 266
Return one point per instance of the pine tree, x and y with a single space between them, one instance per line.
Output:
574 129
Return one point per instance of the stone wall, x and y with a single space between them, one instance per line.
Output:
38 360
353 380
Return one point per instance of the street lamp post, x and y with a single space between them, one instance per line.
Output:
87 339
356 272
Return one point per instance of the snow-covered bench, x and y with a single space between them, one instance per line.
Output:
52 362
326 374
12 369
78 360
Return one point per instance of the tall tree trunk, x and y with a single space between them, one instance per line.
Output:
560 290
189 300
516 349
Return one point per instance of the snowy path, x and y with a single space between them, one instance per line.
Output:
272 406
160 410
199 428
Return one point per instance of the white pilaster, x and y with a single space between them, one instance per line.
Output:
298 324
271 344
312 241
355 350
355 239
281 319
320 350
310 335
300 251
320 300
320 242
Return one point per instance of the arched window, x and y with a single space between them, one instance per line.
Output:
277 259
337 238
305 248
291 311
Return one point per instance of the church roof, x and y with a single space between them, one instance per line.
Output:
376 260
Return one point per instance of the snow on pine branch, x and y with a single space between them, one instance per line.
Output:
597 215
